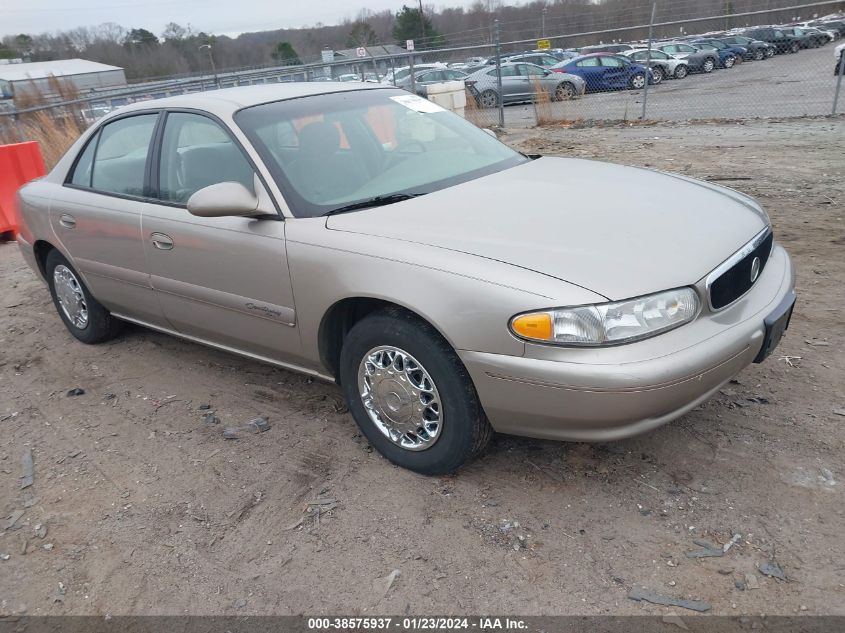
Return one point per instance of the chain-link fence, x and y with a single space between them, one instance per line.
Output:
770 63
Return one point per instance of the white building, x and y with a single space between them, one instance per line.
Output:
84 75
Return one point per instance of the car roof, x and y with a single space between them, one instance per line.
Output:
226 101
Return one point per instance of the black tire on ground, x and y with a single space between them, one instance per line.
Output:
708 66
657 75
488 99
101 326
681 71
564 92
730 62
759 54
637 78
794 47
465 431
770 52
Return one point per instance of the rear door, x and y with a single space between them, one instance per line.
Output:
222 280
97 219
592 72
615 73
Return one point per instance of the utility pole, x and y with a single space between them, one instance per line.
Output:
211 59
422 25
544 22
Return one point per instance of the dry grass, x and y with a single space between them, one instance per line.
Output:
542 104
55 129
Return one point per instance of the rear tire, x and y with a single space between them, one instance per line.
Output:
730 61
461 430
770 52
794 47
82 314
657 75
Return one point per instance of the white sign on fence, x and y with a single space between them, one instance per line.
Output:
361 51
409 45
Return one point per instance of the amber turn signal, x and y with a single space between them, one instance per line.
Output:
537 325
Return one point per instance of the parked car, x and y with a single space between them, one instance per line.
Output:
705 61
755 49
661 64
426 78
398 74
349 77
538 59
782 42
832 33
560 53
606 48
807 37
837 25
288 224
603 71
519 82
728 55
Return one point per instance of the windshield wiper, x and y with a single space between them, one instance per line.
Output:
377 201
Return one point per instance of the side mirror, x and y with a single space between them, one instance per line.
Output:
223 199
226 199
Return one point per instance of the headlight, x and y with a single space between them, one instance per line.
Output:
609 323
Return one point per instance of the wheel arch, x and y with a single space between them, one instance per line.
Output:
41 249
340 318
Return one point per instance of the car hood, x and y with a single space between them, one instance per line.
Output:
618 231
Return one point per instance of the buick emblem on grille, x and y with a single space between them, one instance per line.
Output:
755 269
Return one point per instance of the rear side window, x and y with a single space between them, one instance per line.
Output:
121 155
82 171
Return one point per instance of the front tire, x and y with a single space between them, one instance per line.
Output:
82 314
730 61
410 394
564 92
708 65
681 71
794 47
489 99
637 81
759 54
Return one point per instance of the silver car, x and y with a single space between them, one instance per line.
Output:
520 82
450 285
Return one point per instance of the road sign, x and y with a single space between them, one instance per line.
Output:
409 45
544 45
361 51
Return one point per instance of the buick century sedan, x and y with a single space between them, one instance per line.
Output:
450 285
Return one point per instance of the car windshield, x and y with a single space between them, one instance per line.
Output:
339 149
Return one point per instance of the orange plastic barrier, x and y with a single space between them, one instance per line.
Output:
19 163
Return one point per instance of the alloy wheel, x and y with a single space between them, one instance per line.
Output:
70 296
564 92
400 397
489 99
638 81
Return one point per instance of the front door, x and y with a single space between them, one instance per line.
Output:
222 280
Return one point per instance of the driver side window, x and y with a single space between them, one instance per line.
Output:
195 153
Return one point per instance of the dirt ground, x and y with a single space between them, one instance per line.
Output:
148 510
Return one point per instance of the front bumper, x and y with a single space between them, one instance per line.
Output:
603 394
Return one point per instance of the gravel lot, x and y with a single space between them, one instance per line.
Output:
148 510
784 86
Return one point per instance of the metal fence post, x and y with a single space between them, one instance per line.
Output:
411 65
648 59
499 73
841 69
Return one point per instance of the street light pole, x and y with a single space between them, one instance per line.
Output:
544 22
211 59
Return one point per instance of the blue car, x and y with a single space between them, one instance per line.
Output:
728 54
604 71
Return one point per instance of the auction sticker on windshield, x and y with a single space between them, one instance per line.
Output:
417 104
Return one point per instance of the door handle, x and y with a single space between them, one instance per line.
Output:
67 221
161 241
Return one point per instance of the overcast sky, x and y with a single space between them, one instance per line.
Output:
228 17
